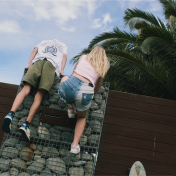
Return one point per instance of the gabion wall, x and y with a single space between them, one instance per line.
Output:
48 153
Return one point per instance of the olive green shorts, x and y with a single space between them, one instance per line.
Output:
41 74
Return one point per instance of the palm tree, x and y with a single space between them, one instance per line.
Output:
142 63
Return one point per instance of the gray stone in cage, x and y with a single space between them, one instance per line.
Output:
86 157
83 140
14 125
26 154
43 132
95 126
36 166
98 98
11 142
87 131
93 140
18 163
74 171
4 164
13 171
97 115
9 152
49 152
56 165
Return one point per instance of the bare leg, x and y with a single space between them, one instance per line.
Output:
80 124
37 100
20 97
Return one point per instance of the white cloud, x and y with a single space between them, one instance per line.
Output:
133 3
9 26
155 7
69 29
61 11
107 18
98 22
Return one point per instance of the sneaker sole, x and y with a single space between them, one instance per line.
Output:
24 134
6 126
75 152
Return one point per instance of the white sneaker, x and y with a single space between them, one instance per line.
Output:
25 131
75 149
71 113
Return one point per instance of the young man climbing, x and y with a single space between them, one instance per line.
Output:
47 58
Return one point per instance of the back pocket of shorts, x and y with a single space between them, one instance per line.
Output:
86 98
65 89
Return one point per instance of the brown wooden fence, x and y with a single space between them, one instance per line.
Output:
7 95
136 128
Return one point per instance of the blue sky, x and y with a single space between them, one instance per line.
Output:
25 23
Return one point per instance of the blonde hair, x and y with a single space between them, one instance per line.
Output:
97 57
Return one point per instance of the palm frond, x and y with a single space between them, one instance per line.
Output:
172 23
137 15
169 7
146 75
116 34
157 33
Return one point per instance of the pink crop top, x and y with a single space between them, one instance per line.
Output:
85 69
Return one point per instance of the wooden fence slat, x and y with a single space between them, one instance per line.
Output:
138 115
97 173
112 169
120 170
133 152
126 141
138 143
7 93
128 161
1 132
6 101
102 174
4 109
137 124
139 134
172 159
139 106
142 98
9 86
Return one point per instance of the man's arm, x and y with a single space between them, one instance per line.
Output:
64 60
98 84
33 53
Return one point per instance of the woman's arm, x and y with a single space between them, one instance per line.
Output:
98 84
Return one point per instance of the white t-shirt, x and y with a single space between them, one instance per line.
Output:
53 51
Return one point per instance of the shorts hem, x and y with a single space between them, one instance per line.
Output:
82 109
24 81
44 88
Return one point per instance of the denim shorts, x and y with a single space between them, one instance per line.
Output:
77 92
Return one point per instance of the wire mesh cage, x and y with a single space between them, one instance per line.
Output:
48 152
